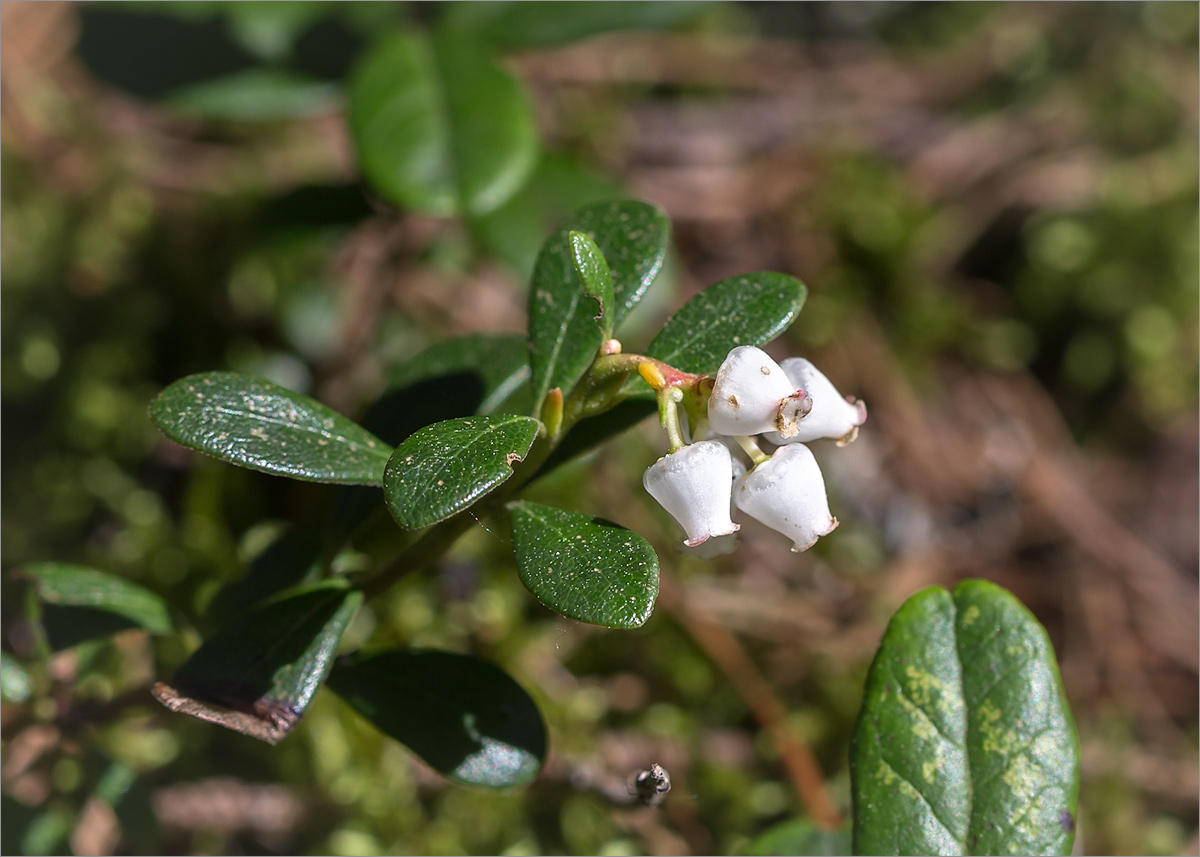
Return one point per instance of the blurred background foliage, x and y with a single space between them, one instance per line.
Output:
994 206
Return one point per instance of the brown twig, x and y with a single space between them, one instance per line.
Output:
729 656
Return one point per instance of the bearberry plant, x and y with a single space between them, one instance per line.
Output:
964 743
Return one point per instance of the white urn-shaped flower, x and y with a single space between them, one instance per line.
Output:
726 544
694 484
833 415
787 493
752 395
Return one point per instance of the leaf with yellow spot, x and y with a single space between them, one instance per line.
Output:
965 743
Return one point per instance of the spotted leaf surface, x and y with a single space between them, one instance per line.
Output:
254 423
583 567
965 743
444 468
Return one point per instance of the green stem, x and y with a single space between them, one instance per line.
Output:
751 449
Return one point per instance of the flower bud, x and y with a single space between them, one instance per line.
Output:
787 493
832 416
694 484
752 395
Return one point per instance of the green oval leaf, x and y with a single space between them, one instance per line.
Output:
464 717
444 468
260 425
260 671
498 364
583 567
965 743
595 279
751 309
80 592
440 127
563 336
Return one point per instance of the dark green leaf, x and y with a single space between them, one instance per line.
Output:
444 468
748 310
563 336
800 836
464 717
258 95
260 425
293 558
543 24
64 585
441 128
500 361
595 279
583 567
965 743
259 672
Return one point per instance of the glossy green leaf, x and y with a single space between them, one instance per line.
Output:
563 336
800 836
465 717
583 567
497 366
751 309
254 423
73 586
965 743
260 671
595 279
544 24
440 126
444 468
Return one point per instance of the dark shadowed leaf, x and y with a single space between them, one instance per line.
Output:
259 672
748 310
440 127
583 567
444 468
965 743
260 425
466 718
563 336
83 603
499 360
293 558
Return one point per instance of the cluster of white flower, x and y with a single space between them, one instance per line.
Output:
701 484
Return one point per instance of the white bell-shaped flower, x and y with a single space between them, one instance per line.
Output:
726 544
694 484
787 493
833 415
752 395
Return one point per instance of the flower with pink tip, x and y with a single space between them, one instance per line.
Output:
694 484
